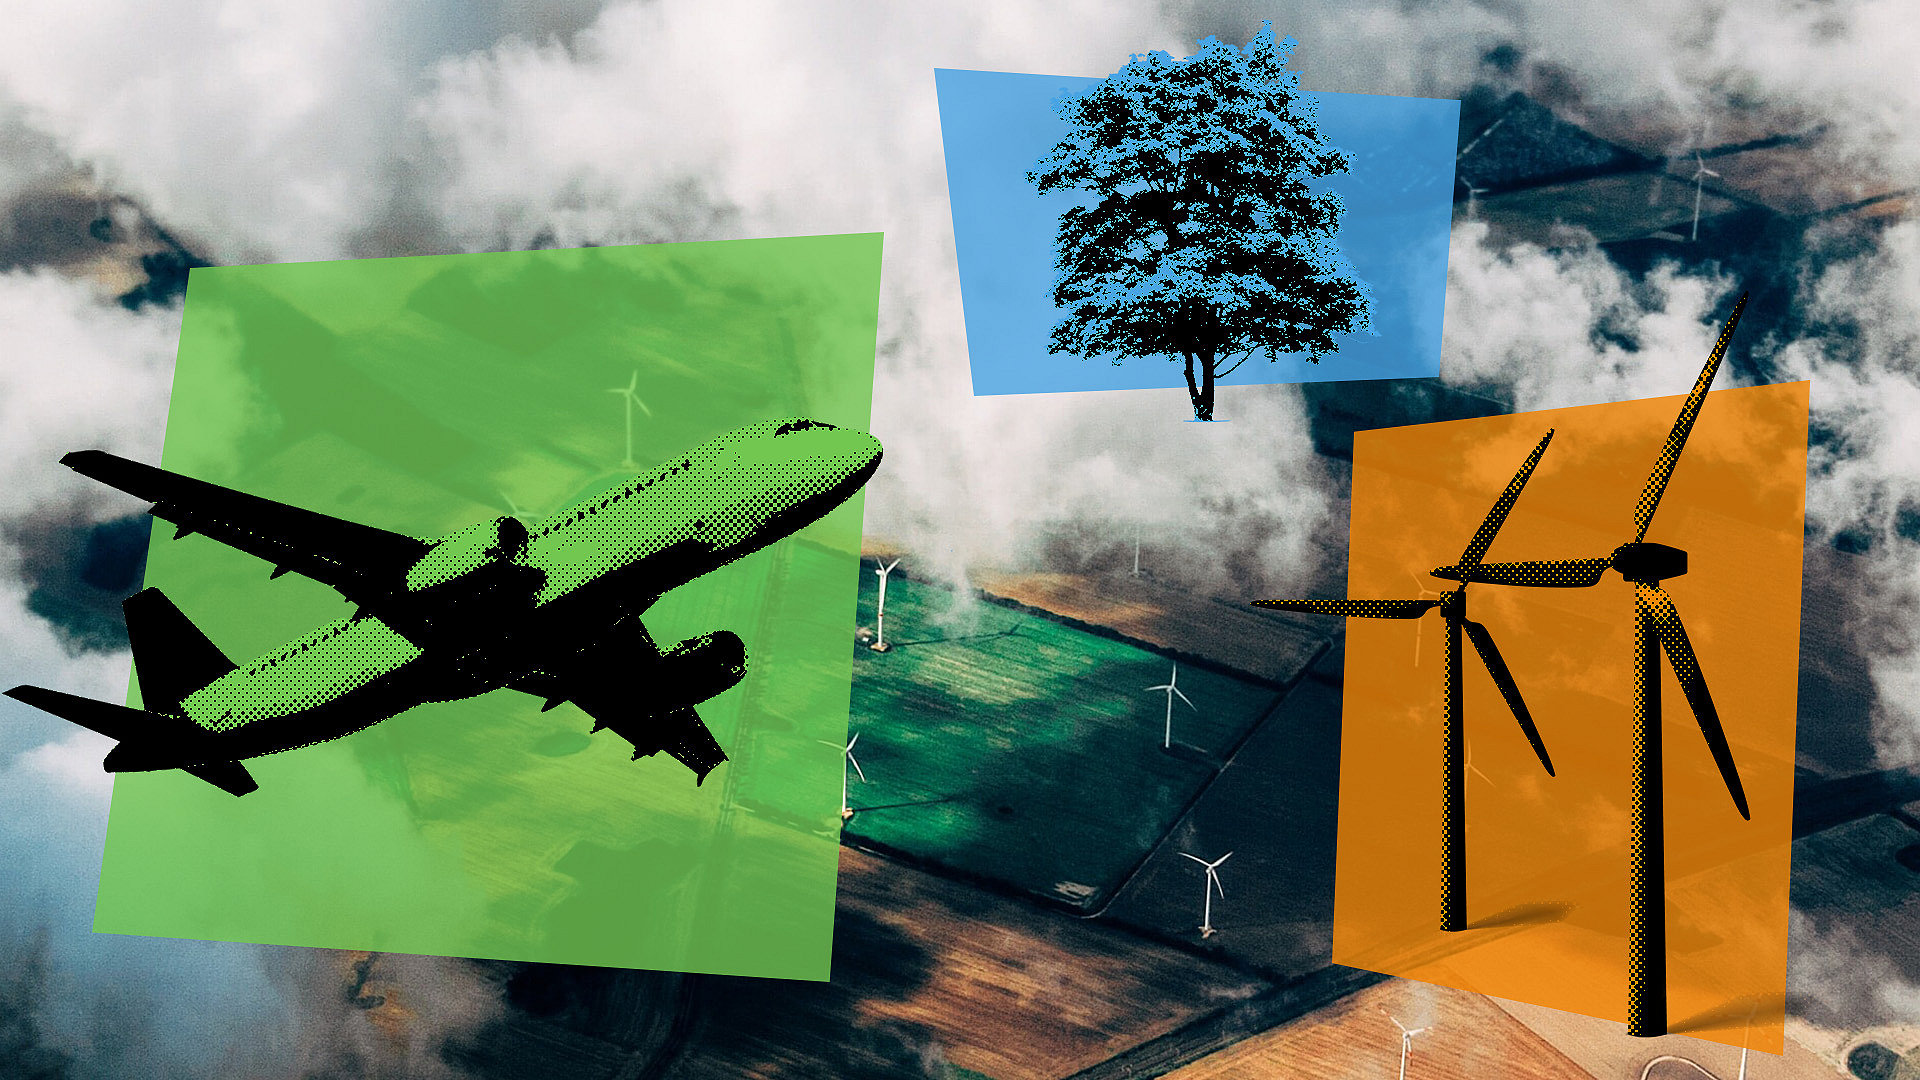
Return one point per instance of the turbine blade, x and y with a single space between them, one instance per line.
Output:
855 762
1195 858
1673 638
1553 574
1682 427
1185 698
1214 880
1496 517
1503 678
850 742
1356 609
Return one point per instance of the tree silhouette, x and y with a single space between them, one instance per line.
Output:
1206 244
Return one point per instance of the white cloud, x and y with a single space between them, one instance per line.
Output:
84 375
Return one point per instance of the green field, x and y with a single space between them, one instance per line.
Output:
1016 748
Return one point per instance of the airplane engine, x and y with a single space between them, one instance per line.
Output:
698 668
458 554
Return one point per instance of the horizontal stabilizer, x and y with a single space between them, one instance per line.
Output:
140 734
229 776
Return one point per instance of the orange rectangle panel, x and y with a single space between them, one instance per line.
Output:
1546 887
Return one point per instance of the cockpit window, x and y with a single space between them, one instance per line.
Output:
797 425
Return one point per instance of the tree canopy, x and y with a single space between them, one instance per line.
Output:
1206 243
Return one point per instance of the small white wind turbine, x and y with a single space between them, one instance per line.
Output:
1171 686
1136 551
880 608
1475 769
1700 173
513 509
845 810
630 399
1473 194
1420 630
1406 1040
1208 888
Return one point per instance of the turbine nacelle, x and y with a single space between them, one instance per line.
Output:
1649 562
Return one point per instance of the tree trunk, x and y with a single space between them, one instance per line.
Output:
1203 404
1193 392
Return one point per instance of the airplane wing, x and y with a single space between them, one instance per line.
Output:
362 562
645 696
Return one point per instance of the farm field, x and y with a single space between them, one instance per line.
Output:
997 987
1005 744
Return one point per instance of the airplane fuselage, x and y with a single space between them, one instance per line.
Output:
487 605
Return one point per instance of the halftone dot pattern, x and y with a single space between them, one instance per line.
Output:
1453 795
309 671
1677 439
1503 680
1453 608
1686 667
1483 537
716 500
1356 609
1556 574
1646 915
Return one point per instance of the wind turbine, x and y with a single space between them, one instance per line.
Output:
1406 1040
1420 630
880 608
1656 626
1453 608
1700 173
1172 687
513 508
1472 194
846 811
1136 551
1207 890
631 399
1475 769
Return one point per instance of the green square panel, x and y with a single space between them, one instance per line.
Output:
421 396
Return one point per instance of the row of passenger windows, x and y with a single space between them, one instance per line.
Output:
607 500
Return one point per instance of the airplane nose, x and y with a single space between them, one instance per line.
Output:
849 456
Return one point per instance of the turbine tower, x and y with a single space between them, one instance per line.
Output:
1172 687
1656 626
631 399
1208 888
1453 608
880 608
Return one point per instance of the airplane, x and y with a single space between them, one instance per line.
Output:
551 609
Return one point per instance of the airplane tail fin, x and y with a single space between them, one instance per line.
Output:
171 655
